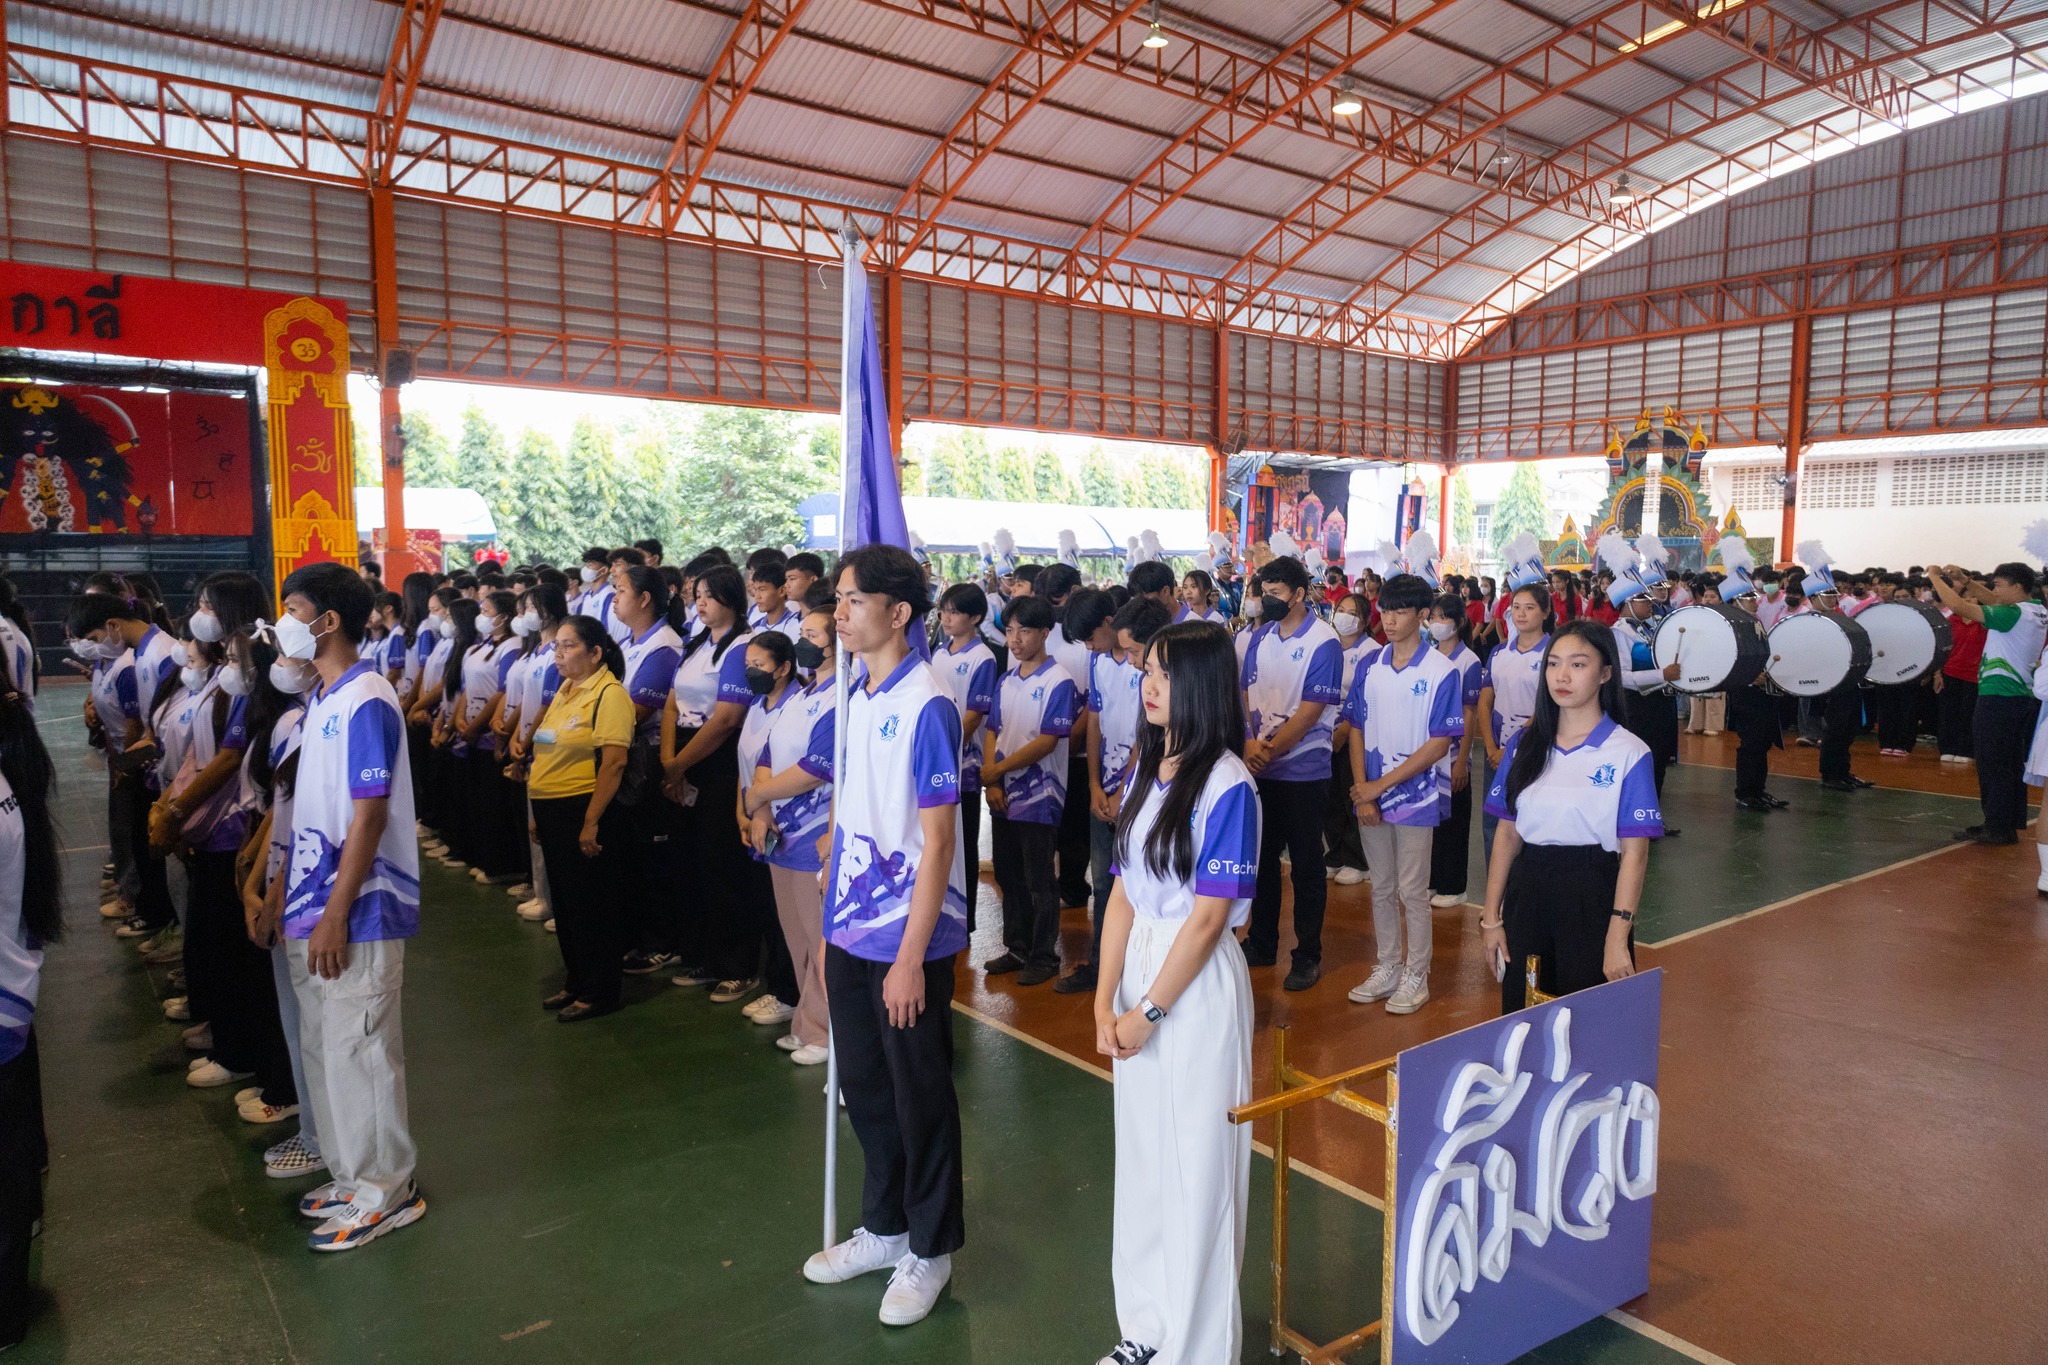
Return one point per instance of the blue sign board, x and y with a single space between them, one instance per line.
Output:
1526 1155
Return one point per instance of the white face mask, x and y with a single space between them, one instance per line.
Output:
1441 631
181 654
590 574
85 649
486 627
447 627
195 678
234 681
206 626
295 639
290 676
1346 623
526 623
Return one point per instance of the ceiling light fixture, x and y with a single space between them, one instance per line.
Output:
1347 104
1155 37
1623 195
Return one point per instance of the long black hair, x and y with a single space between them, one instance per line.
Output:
26 765
668 605
266 704
1452 604
1540 594
417 592
592 633
722 584
462 611
1205 719
1540 738
237 599
12 609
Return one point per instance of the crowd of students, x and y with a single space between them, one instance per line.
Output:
642 755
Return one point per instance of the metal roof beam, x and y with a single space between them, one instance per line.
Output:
416 24
1812 58
753 40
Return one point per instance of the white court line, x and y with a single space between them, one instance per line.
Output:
1628 1320
86 848
1803 895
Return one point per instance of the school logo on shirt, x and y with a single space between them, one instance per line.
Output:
1298 652
889 728
331 728
1603 776
1038 694
1421 687
1234 869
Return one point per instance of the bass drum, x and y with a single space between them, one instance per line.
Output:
1816 652
1908 640
1717 648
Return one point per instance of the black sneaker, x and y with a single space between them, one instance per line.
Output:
1000 966
1304 975
1862 783
135 926
1776 802
1036 974
1838 784
1075 982
1754 803
1129 1352
1967 835
1253 957
640 963
695 976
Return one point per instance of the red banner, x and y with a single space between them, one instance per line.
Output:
210 468
135 315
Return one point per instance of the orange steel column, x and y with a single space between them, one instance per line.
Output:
892 361
1449 436
398 556
1795 430
1219 462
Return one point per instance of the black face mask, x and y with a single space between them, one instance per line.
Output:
809 655
760 681
1274 608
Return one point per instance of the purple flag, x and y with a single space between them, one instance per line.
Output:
871 498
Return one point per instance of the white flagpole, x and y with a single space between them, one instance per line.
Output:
851 421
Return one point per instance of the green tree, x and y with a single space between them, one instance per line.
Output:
1101 485
1162 480
746 471
1017 468
1522 507
943 475
482 459
1463 523
429 462
541 525
1057 480
593 482
369 458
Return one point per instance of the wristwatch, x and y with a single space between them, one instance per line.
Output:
1153 1014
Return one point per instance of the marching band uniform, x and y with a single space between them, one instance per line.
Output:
1841 709
1752 713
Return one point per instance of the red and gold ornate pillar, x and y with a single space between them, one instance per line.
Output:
312 459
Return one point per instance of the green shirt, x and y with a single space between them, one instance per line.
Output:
2014 634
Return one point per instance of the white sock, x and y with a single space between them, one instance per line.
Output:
2042 849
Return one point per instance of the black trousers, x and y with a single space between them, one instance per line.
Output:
1841 717
419 745
970 848
1558 902
496 806
1958 700
727 908
1894 705
2004 731
1340 820
1024 875
1294 822
234 977
590 912
1074 846
1653 718
1450 852
898 1084
1753 716
444 779
153 904
23 1153
652 870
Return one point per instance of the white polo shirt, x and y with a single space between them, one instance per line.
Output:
21 660
903 738
650 662
1115 700
702 681
353 748
1514 675
1601 791
1043 702
1226 844
1396 710
153 662
21 954
1280 673
802 736
1212 616
968 676
285 736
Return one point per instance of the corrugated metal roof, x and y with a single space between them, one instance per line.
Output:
855 100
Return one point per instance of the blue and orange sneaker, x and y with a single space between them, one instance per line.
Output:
322 1202
354 1225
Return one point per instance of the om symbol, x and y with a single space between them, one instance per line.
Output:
305 350
313 456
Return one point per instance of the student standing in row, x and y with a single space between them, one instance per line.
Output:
966 669
31 918
1651 714
1406 712
2016 627
1173 1008
1346 858
895 917
1509 684
1450 850
1577 804
1293 668
1056 583
1024 771
349 902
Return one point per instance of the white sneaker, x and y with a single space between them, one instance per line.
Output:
246 1093
199 1038
1348 876
810 1054
1412 996
1446 901
479 874
550 924
178 1007
771 1011
117 909
534 911
1329 873
210 1073
292 1158
861 1254
914 1288
256 1111
1381 984
523 891
788 1042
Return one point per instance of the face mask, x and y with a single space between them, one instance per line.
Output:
290 676
206 626
1441 631
486 626
760 681
1273 608
181 654
590 575
447 627
809 655
295 639
195 678
85 649
1346 623
234 682
526 622
1772 589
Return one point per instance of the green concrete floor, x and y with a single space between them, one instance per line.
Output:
643 1188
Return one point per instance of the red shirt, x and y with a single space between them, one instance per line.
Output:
1603 611
1966 651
